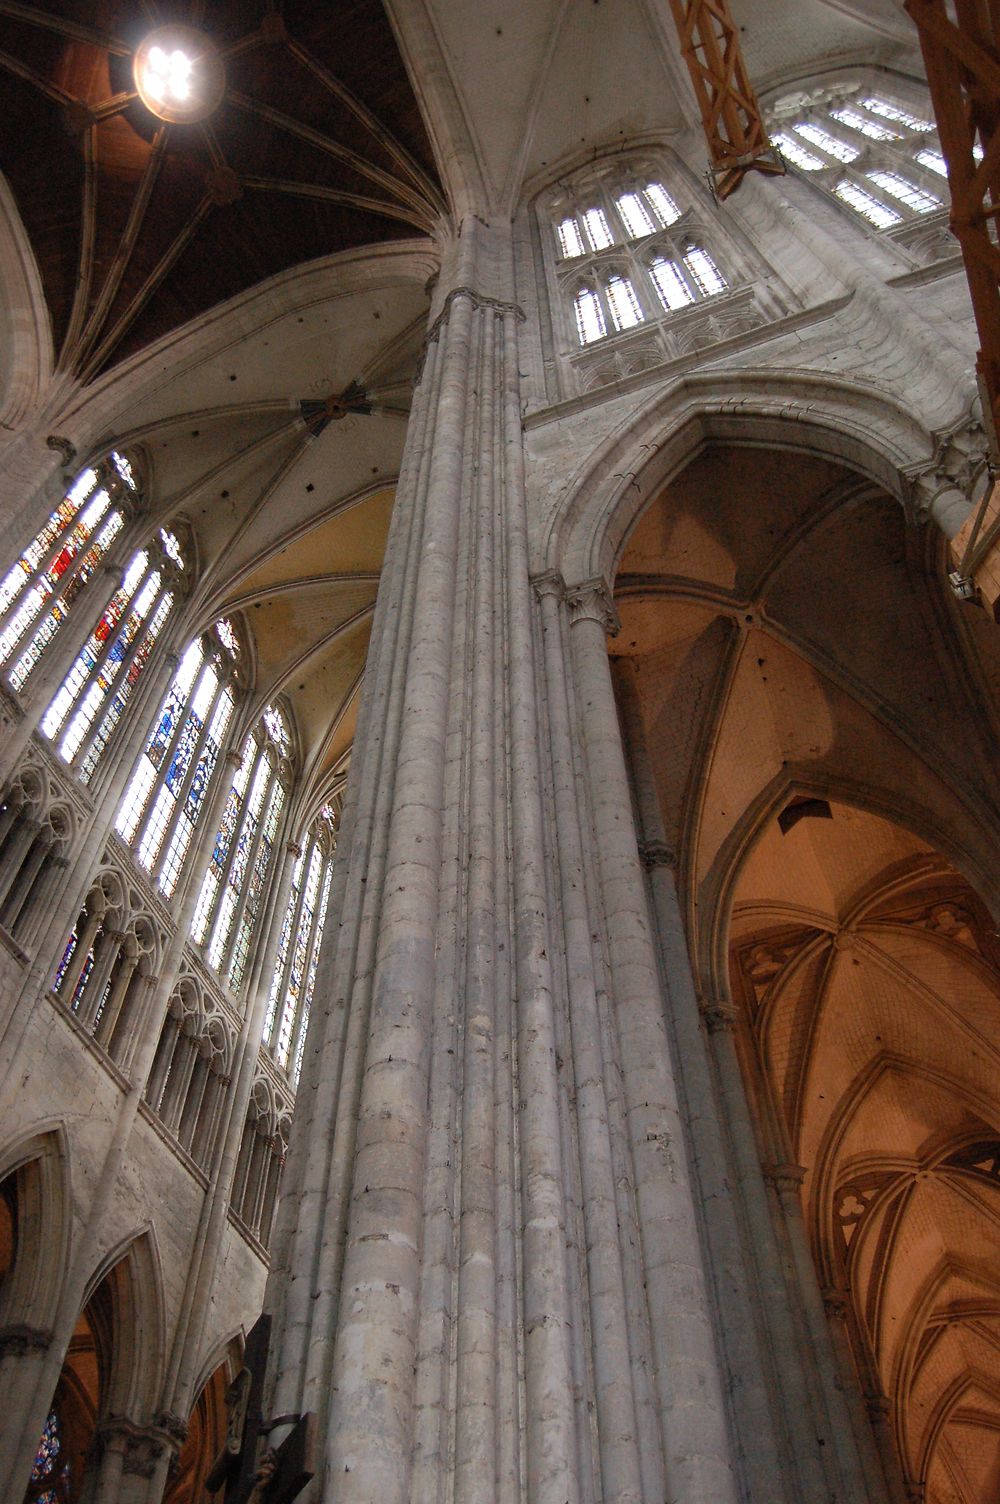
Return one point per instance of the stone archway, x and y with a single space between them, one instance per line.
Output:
790 671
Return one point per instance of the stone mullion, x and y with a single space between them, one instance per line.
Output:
44 901
109 1017
550 1421
21 891
71 976
748 1344
105 956
180 1080
323 1134
623 1476
17 849
369 1440
689 1386
161 1069
476 1337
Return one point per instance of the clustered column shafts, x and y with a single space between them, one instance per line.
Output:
487 1278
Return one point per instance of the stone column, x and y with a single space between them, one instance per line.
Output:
389 1286
689 1384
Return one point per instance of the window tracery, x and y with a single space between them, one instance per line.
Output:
166 796
37 594
233 886
298 947
630 255
877 157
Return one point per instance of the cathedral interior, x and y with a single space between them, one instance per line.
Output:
499 729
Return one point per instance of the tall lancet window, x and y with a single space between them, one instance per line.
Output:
298 948
230 898
37 595
166 797
89 703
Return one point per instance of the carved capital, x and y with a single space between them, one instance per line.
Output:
784 1177
549 583
657 854
18 1339
140 1447
234 759
915 1493
592 601
718 1015
294 849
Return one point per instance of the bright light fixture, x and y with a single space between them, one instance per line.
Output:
179 74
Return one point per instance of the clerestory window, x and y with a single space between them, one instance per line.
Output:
298 948
878 158
89 702
629 256
38 593
165 798
230 899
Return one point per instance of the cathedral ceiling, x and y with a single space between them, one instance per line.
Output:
535 87
780 620
138 225
286 508
869 976
755 601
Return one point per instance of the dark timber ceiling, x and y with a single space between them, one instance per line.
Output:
137 226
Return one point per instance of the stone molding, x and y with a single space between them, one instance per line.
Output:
141 1447
550 582
592 600
784 1177
654 854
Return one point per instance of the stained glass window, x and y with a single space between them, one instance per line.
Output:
90 701
229 903
166 795
37 594
49 1479
637 267
298 948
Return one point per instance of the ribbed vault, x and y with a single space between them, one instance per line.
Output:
800 703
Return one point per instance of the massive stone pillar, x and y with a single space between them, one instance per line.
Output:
488 1277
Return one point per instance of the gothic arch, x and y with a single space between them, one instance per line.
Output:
40 1165
875 436
131 1272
